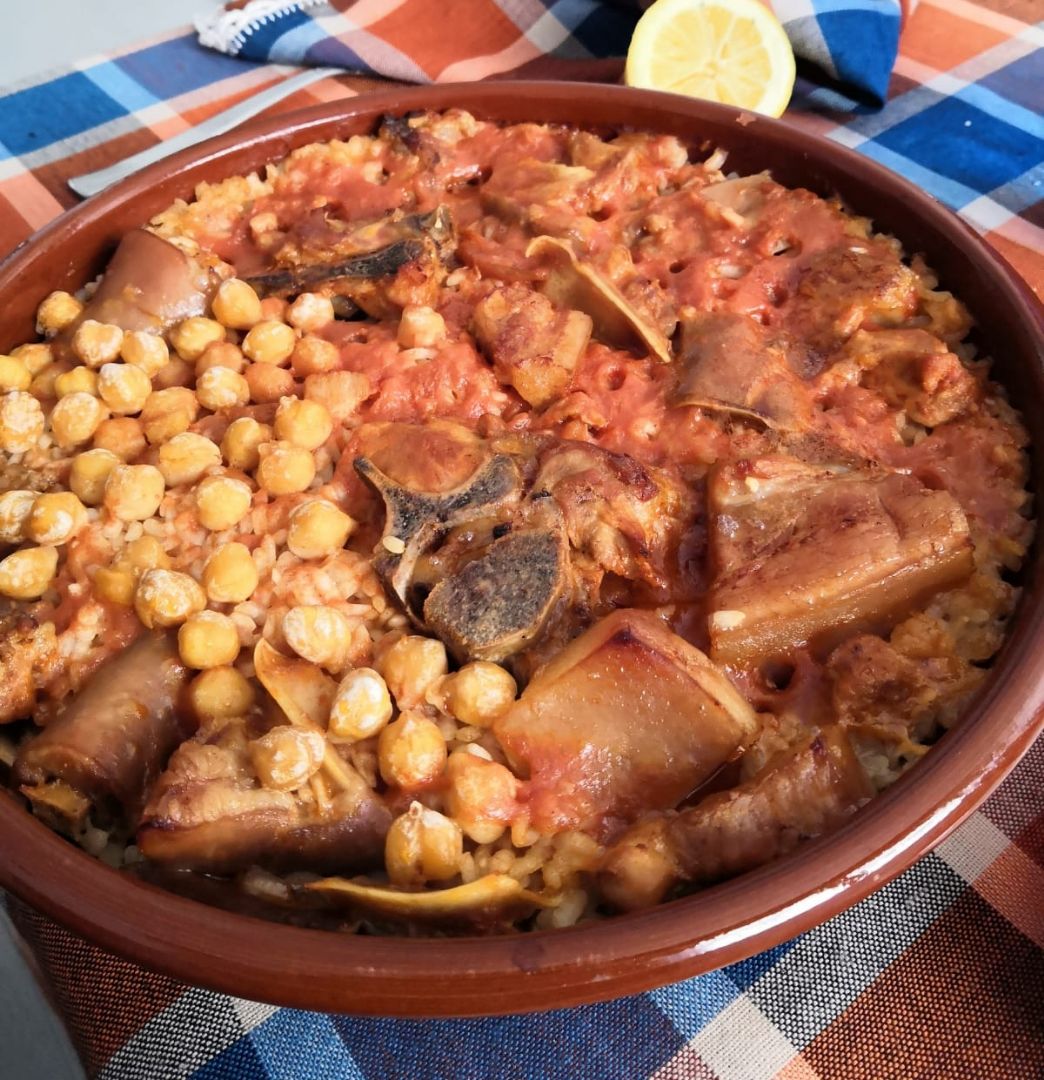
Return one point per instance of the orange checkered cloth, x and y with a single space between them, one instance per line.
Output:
939 975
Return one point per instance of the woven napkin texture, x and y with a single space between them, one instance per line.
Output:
849 45
938 976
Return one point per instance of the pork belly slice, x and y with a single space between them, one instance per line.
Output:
208 812
115 735
801 793
628 718
534 348
805 555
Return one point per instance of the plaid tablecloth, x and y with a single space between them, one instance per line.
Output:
938 975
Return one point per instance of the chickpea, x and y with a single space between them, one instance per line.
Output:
411 751
167 413
89 473
479 693
222 502
36 356
274 307
222 388
284 469
55 518
302 423
242 439
15 507
317 528
96 343
310 312
123 387
314 354
286 757
230 576
481 796
410 666
420 327
222 354
21 422
122 436
422 845
342 392
319 634
361 707
270 342
268 383
75 418
186 457
79 380
236 305
208 640
192 335
133 492
167 598
116 584
146 553
146 351
14 375
176 372
56 312
42 386
220 693
26 574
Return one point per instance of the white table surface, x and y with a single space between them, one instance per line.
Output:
53 33
46 34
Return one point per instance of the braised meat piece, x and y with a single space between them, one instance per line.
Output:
381 266
625 517
534 348
912 370
230 800
115 735
148 285
853 286
626 719
804 555
799 794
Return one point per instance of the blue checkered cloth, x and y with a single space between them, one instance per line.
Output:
848 46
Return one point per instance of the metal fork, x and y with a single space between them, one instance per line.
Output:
93 182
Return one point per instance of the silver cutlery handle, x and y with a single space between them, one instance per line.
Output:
93 182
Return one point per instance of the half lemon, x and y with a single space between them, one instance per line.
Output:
732 51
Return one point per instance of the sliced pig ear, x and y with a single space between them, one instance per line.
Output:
495 898
573 284
148 285
742 195
301 689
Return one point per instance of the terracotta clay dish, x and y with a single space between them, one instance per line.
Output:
479 549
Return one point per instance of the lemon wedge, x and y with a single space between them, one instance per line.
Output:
732 51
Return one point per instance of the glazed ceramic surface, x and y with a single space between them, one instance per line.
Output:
474 976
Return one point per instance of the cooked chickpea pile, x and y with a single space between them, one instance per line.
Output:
123 414
121 408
